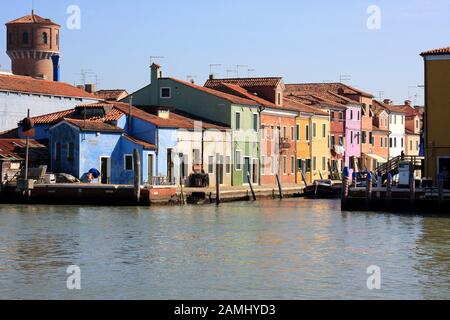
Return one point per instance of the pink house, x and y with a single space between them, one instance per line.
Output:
352 136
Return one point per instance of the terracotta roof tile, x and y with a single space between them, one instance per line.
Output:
433 52
245 82
229 97
388 107
300 107
145 144
14 149
52 118
25 84
32 18
89 125
111 95
317 88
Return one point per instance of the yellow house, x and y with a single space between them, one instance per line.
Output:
437 115
312 141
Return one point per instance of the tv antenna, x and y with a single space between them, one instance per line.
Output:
212 66
344 77
249 71
84 73
231 71
380 95
240 66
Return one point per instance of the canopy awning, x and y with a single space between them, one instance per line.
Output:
375 157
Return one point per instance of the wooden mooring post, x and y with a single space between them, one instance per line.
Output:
251 186
389 190
137 176
280 189
345 188
412 187
369 189
217 183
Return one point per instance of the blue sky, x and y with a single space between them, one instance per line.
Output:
303 41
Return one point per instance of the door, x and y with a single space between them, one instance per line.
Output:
170 166
105 170
246 169
444 170
150 169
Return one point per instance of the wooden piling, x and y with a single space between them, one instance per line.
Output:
280 189
217 183
251 186
137 176
389 190
368 190
412 186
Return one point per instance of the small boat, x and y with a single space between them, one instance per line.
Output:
325 188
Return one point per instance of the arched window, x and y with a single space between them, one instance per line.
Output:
44 38
25 38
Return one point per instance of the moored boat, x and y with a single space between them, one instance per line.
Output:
326 188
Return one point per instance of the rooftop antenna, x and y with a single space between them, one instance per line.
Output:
344 77
32 7
250 71
96 80
380 95
212 66
240 66
231 71
84 73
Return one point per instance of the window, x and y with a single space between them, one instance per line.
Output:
70 151
332 140
351 114
299 165
410 145
341 116
332 115
237 160
284 133
128 162
272 133
395 142
402 119
307 132
395 119
263 133
324 164
324 130
210 164
417 124
341 141
357 115
417 145
279 98
363 137
292 164
351 137
314 163
196 156
297 134
371 138
401 142
255 122
57 39
381 142
292 133
25 38
228 165
308 165
284 165
165 93
238 121
57 151
357 138
44 38
314 130
391 144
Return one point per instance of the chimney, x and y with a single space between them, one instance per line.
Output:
156 72
387 101
408 102
163 113
90 87
211 76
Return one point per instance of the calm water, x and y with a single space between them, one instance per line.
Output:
294 249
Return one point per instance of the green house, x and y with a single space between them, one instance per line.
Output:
241 114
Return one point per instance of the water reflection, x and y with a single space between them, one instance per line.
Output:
290 249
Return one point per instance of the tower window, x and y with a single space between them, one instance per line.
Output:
44 38
25 38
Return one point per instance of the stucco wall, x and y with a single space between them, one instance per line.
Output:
352 133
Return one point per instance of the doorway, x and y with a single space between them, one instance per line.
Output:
444 170
105 170
221 168
246 171
150 169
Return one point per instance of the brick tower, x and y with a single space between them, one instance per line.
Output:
33 46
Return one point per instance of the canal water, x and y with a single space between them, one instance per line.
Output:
290 249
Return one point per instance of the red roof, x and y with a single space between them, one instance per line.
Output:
237 90
89 125
25 84
433 52
32 18
292 104
52 118
144 144
318 88
111 95
229 97
388 107
245 82
14 149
